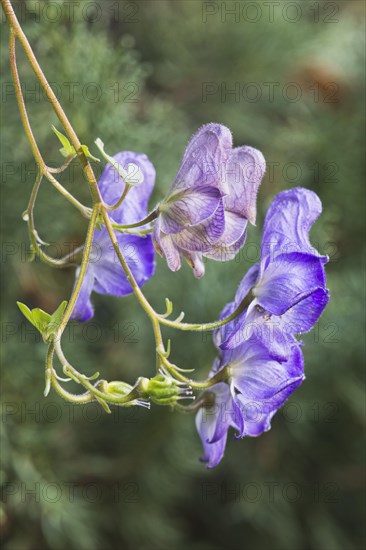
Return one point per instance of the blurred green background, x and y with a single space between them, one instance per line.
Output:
144 76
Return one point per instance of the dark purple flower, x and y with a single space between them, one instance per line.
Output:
104 273
257 387
288 284
211 201
213 422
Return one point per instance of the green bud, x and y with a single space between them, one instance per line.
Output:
164 390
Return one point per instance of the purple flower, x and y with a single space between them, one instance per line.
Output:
213 422
288 284
211 200
104 274
258 386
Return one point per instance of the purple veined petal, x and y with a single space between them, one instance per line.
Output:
247 283
256 325
255 420
207 150
303 316
226 411
245 169
213 423
262 389
164 245
288 222
213 452
260 378
111 186
287 280
222 333
232 334
189 207
257 416
195 261
109 275
83 309
232 239
201 237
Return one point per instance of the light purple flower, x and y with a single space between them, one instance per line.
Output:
288 284
211 201
104 273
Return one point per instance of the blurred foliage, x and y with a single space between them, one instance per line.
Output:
132 479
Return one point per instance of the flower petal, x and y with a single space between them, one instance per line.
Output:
195 261
164 244
288 222
109 275
232 239
263 385
256 325
201 237
188 207
303 316
213 423
257 376
207 150
287 280
244 173
83 309
111 186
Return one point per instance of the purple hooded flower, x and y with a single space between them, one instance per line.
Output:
288 284
211 201
213 422
258 386
104 274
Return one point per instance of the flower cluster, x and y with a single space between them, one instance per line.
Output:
259 350
205 214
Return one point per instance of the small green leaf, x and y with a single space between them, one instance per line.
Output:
67 149
26 312
41 320
56 319
87 153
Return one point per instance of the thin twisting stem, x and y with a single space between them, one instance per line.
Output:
83 268
18 31
29 133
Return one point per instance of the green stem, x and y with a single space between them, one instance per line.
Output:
29 133
18 32
220 376
149 218
120 201
134 394
137 291
62 262
198 327
83 268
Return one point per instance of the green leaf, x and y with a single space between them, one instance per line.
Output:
26 312
41 320
67 149
55 320
45 323
87 153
